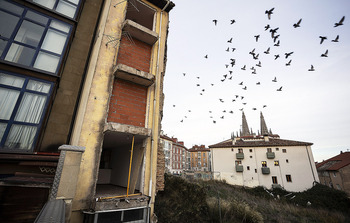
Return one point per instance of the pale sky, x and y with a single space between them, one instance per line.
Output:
313 106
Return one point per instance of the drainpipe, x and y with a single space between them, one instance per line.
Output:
312 171
154 100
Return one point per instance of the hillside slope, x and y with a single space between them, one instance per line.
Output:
216 201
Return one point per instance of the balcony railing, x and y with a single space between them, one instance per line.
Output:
270 155
265 170
239 155
239 168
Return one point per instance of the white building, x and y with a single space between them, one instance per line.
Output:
264 160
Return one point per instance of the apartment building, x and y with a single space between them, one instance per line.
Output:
335 172
200 158
86 74
264 160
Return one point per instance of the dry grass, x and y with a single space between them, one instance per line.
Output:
216 201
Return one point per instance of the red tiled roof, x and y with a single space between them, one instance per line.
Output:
260 143
335 163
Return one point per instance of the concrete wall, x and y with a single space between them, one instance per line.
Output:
61 116
298 166
128 103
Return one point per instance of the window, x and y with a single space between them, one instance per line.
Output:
23 101
269 150
66 7
240 150
289 178
251 157
141 13
248 168
256 170
31 39
231 150
276 162
287 161
251 150
238 162
274 180
284 150
277 149
263 164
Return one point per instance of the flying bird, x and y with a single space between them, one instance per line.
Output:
296 25
323 38
254 72
288 54
257 38
336 39
215 21
279 89
230 40
277 44
228 49
206 56
241 83
289 62
275 38
267 51
273 31
312 68
252 52
256 57
254 109
243 68
340 22
184 74
264 106
245 88
258 83
277 56
325 54
232 21
259 64
269 13
267 27
274 80
233 49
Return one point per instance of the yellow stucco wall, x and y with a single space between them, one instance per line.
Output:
93 108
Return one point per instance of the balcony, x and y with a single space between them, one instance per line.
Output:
239 168
270 155
265 170
239 155
140 32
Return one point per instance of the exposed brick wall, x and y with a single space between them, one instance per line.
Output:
135 54
128 103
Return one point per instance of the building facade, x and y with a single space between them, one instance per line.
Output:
178 157
264 160
167 145
335 172
86 73
200 158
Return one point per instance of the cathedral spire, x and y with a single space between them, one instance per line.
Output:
263 127
245 128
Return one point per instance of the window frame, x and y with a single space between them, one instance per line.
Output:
37 49
289 178
274 180
55 7
9 123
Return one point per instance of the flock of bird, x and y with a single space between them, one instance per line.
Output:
275 36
